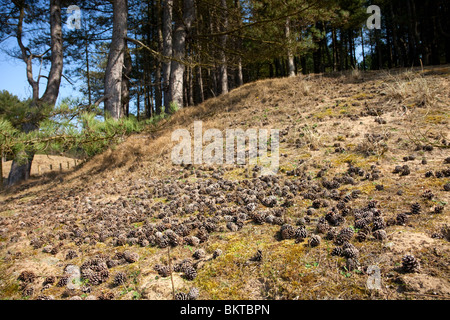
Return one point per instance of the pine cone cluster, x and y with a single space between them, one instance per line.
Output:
95 271
350 251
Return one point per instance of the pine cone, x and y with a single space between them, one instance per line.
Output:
331 234
259 218
130 256
181 296
301 232
190 273
258 256
120 278
192 241
415 208
314 241
287 232
380 234
203 235
410 264
49 280
322 227
378 223
163 271
428 195
350 251
232 226
337 251
362 235
28 290
438 209
27 276
106 296
199 254
362 223
345 235
63 281
193 294
401 219
71 254
183 265
217 253
351 264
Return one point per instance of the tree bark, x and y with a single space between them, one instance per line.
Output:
114 68
167 49
125 90
223 69
335 55
20 171
183 24
290 54
158 87
54 77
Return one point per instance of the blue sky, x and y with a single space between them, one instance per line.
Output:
13 76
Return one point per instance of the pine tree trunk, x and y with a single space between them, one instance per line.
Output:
334 40
20 171
182 26
125 90
158 87
167 50
398 58
114 68
200 85
290 54
223 69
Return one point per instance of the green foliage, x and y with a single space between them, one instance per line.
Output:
173 108
66 128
